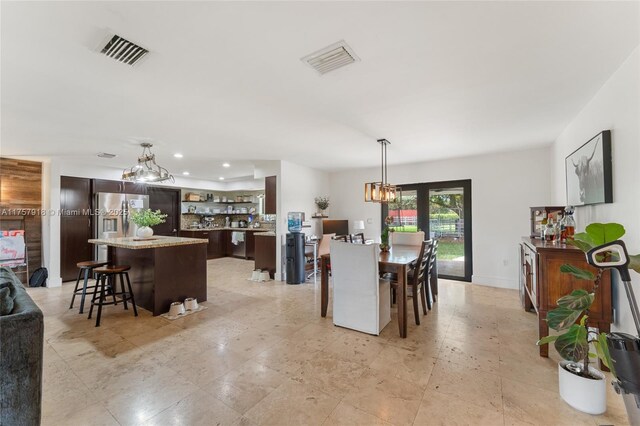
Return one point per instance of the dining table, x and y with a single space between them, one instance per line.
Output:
399 260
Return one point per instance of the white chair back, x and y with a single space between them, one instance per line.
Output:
359 297
407 238
325 243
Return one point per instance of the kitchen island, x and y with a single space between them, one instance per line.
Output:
163 269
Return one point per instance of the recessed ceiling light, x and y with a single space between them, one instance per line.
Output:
226 165
177 155
185 173
221 178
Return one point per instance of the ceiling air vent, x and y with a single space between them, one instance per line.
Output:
331 57
123 50
105 155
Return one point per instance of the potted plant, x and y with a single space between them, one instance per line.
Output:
145 219
581 385
322 203
385 236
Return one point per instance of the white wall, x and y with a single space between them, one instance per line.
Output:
616 107
503 187
299 185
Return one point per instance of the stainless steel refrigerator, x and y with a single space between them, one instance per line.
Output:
113 217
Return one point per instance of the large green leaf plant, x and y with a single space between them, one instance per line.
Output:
569 319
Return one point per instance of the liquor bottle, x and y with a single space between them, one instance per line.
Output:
563 229
569 222
549 230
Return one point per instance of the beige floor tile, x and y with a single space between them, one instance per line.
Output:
245 386
386 397
198 408
201 367
287 357
411 366
440 409
483 356
526 404
467 382
348 415
142 402
355 347
251 342
293 404
330 373
70 413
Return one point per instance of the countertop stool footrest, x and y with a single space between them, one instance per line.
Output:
107 278
86 269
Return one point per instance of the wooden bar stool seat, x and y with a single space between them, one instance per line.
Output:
86 268
107 278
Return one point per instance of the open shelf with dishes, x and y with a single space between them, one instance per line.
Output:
219 214
220 202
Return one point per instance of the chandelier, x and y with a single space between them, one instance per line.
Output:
382 191
147 170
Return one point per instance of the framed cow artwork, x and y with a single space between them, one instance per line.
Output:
588 172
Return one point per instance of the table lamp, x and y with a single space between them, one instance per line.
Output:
358 225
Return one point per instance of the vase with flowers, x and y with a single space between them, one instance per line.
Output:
385 236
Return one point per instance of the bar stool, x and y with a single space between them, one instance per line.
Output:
86 269
107 277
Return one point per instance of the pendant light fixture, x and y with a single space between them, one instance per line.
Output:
147 170
382 192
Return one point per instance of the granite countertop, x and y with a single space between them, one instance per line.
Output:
265 234
153 242
228 229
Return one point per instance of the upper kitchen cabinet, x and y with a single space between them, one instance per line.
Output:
75 193
120 187
270 195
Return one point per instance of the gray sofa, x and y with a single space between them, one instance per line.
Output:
21 343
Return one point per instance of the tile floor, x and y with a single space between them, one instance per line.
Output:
261 354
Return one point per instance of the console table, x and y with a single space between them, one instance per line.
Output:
542 283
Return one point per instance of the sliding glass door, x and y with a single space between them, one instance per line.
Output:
443 211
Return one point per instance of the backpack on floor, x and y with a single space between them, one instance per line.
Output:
39 278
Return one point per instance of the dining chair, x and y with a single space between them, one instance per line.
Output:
417 281
432 274
343 238
407 238
361 300
357 238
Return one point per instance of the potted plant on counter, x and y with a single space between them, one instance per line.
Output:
322 203
145 219
581 385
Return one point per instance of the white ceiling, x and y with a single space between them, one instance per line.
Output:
224 80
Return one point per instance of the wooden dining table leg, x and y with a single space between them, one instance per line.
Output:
324 285
402 300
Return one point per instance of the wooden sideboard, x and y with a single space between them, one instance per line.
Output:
542 283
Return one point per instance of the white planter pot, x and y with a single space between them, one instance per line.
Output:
586 395
144 232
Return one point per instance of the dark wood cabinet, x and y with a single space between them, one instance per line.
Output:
117 186
270 195
265 253
217 246
542 283
250 245
167 200
75 225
